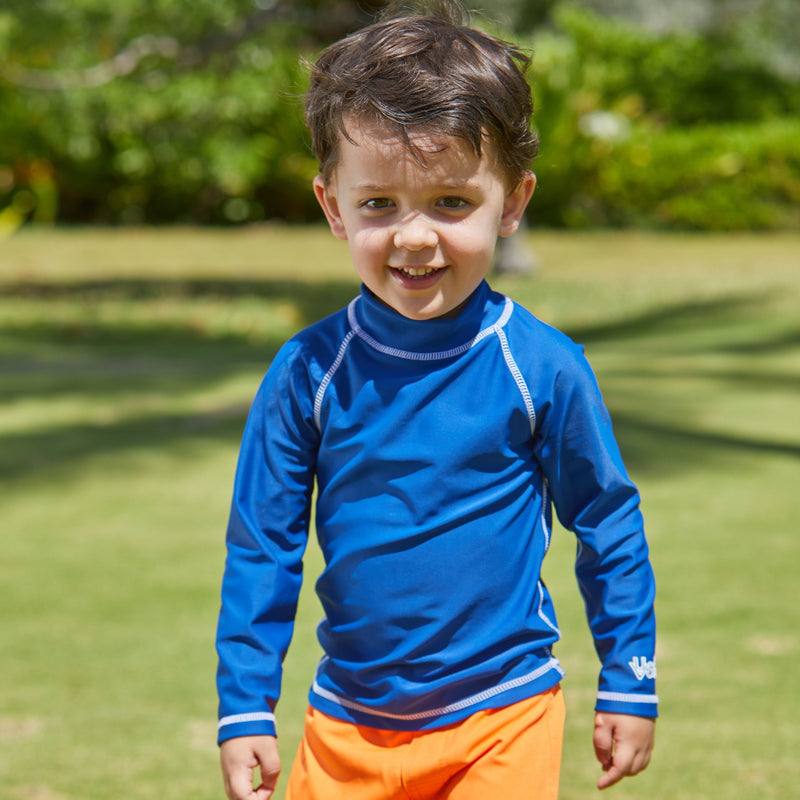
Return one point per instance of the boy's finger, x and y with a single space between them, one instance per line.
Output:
603 745
625 761
239 784
266 790
620 765
614 775
270 770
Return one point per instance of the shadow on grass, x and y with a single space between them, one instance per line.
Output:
316 299
86 354
27 454
86 359
310 302
91 358
694 317
675 317
653 447
657 437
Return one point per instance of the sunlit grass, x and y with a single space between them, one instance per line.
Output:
128 359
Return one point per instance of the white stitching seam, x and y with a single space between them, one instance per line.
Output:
330 373
545 526
518 379
541 613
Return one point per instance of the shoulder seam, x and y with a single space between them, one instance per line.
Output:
518 378
323 387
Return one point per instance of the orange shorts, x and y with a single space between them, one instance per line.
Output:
511 753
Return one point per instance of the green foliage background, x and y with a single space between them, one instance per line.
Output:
678 130
163 112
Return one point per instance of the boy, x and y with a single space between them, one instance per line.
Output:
439 420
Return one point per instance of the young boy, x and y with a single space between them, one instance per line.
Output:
439 420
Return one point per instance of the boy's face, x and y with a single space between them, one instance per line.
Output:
421 238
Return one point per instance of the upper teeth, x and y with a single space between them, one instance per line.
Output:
416 271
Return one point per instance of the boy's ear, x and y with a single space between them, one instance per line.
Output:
515 203
330 205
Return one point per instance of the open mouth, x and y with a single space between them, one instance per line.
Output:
416 273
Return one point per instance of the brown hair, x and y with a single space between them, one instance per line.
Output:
425 72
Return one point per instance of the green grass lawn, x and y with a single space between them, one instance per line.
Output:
128 359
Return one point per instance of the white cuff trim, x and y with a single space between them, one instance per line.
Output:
258 716
616 697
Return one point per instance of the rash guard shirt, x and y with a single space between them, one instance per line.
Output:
437 448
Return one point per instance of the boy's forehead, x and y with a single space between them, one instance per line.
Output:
391 137
422 149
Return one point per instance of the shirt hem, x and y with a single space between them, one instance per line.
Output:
540 680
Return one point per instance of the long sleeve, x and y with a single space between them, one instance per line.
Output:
266 538
594 497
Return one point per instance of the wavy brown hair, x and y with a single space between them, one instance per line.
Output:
424 73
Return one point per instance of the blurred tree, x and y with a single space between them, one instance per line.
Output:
163 111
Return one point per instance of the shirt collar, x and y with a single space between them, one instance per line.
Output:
387 326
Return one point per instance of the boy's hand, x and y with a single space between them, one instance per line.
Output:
623 744
240 757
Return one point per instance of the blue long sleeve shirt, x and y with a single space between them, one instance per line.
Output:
437 448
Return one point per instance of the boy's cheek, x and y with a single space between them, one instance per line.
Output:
474 242
369 243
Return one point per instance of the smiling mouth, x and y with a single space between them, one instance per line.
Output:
417 272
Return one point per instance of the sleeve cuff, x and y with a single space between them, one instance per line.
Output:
640 705
261 723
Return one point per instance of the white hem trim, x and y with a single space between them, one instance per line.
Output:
444 710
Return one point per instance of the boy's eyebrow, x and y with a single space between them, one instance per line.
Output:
444 185
368 187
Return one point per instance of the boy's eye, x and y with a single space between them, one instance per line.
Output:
377 203
453 202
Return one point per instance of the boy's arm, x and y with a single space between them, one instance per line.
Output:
266 539
595 498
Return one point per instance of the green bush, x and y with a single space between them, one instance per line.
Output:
671 131
679 78
196 146
712 177
217 141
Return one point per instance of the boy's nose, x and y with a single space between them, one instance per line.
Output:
416 233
